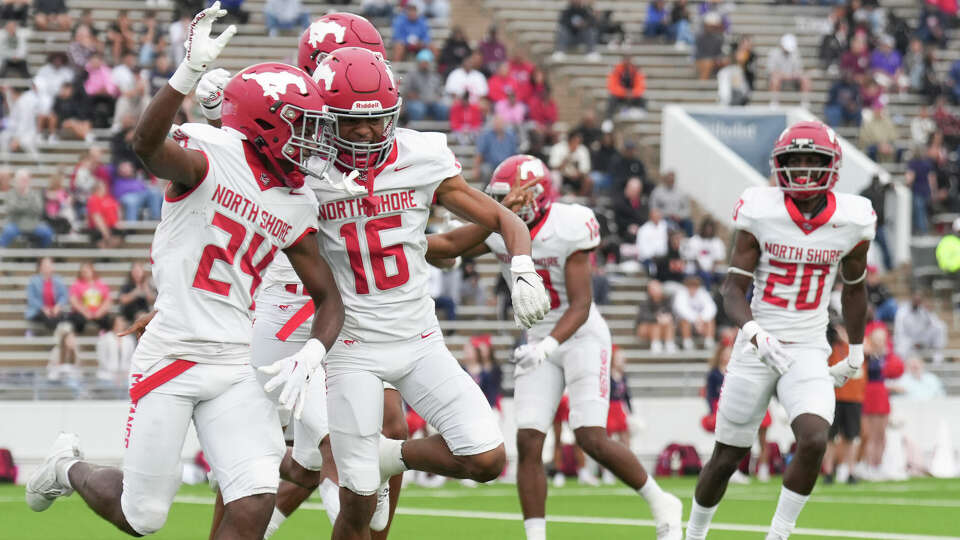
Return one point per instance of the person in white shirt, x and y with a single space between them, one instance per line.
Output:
467 78
704 252
917 383
652 239
696 312
572 160
114 353
916 326
784 64
673 203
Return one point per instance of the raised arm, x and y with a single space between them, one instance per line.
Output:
164 157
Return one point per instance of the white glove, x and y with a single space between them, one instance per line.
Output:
528 357
530 300
200 48
770 350
210 92
848 367
294 373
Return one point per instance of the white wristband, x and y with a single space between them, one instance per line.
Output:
184 78
548 345
855 355
315 352
521 264
750 330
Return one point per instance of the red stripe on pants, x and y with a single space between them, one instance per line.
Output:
165 374
298 319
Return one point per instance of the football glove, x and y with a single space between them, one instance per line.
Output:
530 300
210 92
200 48
528 357
293 373
843 370
768 347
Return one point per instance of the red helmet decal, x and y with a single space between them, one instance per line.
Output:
335 31
521 169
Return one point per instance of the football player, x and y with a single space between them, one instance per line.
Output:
376 201
235 200
792 242
283 317
570 349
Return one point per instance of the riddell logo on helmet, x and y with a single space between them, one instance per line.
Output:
374 105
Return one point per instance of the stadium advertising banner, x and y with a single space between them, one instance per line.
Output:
750 136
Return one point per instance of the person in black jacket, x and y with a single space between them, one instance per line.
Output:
876 192
577 26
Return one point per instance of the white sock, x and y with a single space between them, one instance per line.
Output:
330 495
391 457
276 520
650 491
788 509
699 522
536 528
62 469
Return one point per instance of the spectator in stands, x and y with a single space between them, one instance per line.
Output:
494 145
20 132
953 77
235 11
177 33
630 210
410 33
455 50
133 95
121 143
89 170
656 23
542 109
444 287
571 160
499 83
152 44
590 130
843 106
13 51
880 364
83 46
672 203
883 302
101 91
921 176
577 26
705 253
423 92
918 384
114 353
492 51
784 65
832 46
491 376
24 207
376 9
932 31
121 38
708 49
90 299
62 364
655 319
160 73
285 15
917 327
628 165
51 15
652 240
671 268
887 65
466 118
467 78
696 312
947 122
878 134
138 293
510 110
521 70
920 72
103 214
839 458
134 194
856 60
626 84
48 80
47 301
602 157
432 9
922 126
58 204
733 89
86 19
876 192
681 33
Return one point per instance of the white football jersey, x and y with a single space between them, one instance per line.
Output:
799 257
379 261
213 246
563 231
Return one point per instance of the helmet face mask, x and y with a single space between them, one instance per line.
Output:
355 154
806 160
307 140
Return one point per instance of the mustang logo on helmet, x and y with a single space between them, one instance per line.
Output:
324 74
532 168
320 29
274 84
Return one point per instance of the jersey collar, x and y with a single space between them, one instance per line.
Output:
263 177
536 228
814 223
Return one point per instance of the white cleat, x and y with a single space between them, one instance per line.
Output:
43 487
381 516
668 516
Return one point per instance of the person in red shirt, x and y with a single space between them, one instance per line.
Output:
466 118
542 109
520 70
90 299
103 213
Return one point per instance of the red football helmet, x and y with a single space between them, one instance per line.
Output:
805 182
334 31
520 169
356 84
279 109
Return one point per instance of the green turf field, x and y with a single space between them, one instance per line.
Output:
922 509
